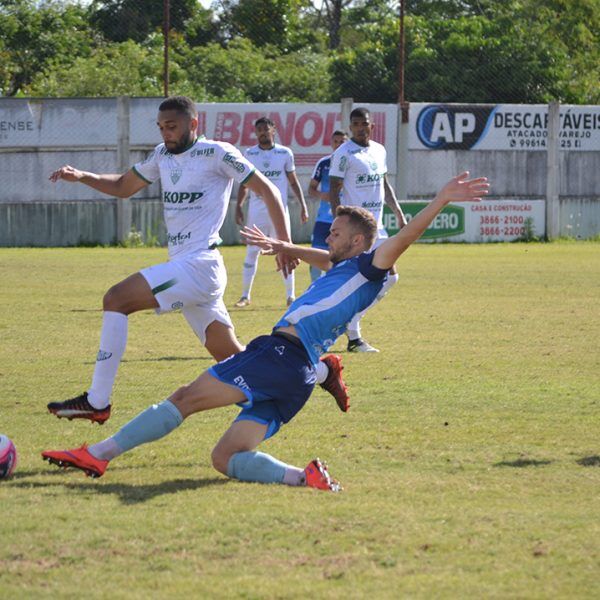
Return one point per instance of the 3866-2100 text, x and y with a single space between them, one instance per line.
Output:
502 220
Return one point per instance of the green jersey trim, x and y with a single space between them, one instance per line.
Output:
248 176
164 286
140 175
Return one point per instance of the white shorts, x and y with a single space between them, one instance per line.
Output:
261 219
194 284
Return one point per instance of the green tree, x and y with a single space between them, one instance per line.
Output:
241 72
121 20
115 69
282 24
34 35
517 56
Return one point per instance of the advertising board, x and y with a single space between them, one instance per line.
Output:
486 221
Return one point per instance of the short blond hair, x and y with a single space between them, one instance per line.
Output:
361 220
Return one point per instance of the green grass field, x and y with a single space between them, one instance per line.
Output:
470 457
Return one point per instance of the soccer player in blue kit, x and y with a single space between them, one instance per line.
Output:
273 377
318 188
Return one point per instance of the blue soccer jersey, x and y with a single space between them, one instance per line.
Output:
321 314
321 174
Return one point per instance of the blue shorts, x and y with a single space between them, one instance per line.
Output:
276 376
319 235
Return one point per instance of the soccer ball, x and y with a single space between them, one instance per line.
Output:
8 457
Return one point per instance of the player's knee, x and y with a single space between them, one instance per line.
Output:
112 300
183 400
220 459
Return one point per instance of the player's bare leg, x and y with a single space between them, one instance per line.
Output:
221 341
242 436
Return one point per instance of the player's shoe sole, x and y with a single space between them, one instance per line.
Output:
317 476
79 408
78 458
334 384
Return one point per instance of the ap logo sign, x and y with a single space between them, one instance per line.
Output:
452 126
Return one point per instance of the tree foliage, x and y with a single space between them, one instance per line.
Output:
281 50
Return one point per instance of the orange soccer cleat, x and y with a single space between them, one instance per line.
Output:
80 458
334 383
317 476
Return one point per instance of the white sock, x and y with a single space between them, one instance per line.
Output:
290 285
113 340
249 270
353 329
322 371
105 450
293 476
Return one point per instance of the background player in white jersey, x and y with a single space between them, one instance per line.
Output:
196 177
273 377
318 188
276 163
358 171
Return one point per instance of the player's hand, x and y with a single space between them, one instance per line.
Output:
462 189
285 263
255 237
304 214
239 215
68 173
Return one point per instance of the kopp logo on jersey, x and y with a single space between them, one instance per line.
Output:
453 126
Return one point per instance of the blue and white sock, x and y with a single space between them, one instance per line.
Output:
263 468
154 423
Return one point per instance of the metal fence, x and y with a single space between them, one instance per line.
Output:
403 55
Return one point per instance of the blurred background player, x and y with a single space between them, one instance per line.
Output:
276 163
273 377
196 177
318 188
358 173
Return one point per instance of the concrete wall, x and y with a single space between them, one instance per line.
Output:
38 136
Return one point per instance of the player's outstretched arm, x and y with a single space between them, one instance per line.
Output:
120 186
458 189
313 256
270 195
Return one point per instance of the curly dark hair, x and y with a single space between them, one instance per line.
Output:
181 104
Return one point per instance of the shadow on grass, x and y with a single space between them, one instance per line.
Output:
589 461
127 493
163 359
520 463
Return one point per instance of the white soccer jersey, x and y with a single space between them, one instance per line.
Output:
274 163
196 188
363 169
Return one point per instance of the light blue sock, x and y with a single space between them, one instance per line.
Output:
314 273
256 466
155 422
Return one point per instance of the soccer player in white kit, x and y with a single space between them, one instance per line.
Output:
358 170
276 163
196 177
